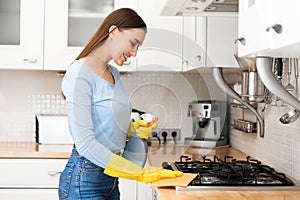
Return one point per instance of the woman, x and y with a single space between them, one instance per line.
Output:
99 113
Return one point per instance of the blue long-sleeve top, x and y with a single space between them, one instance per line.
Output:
98 112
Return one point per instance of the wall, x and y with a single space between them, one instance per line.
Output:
24 93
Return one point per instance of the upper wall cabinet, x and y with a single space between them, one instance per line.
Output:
254 18
162 47
49 34
221 33
194 42
284 28
69 24
269 28
21 35
125 4
210 42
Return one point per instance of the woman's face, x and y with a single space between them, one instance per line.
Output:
125 43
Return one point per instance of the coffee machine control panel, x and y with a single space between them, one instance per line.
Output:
200 110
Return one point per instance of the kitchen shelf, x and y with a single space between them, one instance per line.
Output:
238 105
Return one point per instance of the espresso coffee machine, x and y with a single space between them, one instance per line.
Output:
210 123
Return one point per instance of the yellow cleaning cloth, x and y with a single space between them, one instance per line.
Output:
181 181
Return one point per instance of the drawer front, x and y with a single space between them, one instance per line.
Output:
32 194
31 173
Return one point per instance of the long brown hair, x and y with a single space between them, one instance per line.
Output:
123 18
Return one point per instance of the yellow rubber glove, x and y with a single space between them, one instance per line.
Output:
120 167
142 128
145 132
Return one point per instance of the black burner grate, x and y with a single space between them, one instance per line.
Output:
232 172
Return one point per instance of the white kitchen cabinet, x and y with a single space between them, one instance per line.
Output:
30 173
162 47
38 179
285 43
60 50
21 35
269 28
254 18
69 24
128 189
221 33
209 42
133 4
194 42
49 34
32 194
144 192
30 178
285 14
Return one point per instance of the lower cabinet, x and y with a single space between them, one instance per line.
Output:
144 192
37 179
32 194
134 190
30 173
128 189
32 179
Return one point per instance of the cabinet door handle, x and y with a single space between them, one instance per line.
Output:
276 27
30 60
53 173
126 63
241 40
198 57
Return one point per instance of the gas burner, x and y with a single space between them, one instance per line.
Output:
265 181
232 172
211 180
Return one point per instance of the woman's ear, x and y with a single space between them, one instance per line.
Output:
113 30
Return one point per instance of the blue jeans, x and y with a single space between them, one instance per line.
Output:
83 180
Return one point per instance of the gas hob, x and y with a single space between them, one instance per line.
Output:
229 173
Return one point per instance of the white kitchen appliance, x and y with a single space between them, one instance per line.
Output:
52 129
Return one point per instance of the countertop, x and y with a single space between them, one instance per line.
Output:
34 150
157 154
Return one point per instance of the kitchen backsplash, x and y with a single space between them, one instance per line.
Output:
26 92
280 146
22 94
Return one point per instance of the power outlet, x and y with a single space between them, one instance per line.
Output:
165 135
168 133
155 137
175 133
